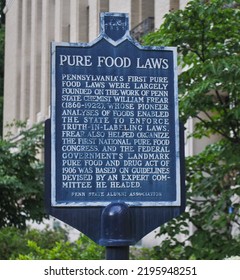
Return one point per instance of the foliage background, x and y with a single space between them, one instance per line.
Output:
47 244
21 177
207 36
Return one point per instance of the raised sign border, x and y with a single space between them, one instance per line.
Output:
101 36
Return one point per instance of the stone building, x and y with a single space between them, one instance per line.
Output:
32 25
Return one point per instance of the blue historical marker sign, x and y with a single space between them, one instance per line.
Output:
114 121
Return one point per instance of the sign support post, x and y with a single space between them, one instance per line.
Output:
116 230
117 253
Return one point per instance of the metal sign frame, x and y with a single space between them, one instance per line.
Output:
115 43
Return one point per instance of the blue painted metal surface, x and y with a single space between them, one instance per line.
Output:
115 128
88 220
116 225
114 138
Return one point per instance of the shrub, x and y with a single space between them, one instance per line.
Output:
47 244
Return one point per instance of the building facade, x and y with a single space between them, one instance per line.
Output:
32 25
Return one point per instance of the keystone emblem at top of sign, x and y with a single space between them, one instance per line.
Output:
114 25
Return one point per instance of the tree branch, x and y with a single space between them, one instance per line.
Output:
213 127
220 99
225 111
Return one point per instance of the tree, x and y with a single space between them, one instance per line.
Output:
207 36
2 36
2 15
21 178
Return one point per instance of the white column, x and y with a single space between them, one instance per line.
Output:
48 15
93 19
83 21
74 20
35 70
58 20
44 60
161 8
62 20
12 65
66 21
25 61
78 21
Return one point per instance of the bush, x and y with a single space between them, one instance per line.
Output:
81 249
47 244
